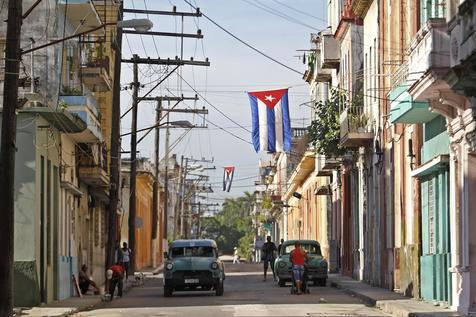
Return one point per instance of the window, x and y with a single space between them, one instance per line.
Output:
309 248
193 252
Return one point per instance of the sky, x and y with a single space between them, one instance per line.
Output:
279 28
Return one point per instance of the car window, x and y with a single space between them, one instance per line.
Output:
193 252
309 248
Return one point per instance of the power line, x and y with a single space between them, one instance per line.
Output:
299 11
275 12
245 43
211 105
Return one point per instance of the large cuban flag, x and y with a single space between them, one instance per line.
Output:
271 130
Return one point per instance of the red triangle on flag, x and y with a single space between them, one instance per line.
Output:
269 97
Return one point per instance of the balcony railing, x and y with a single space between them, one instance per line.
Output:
95 69
84 105
93 166
400 75
430 50
360 7
355 127
299 132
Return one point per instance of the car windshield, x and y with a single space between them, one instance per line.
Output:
309 248
193 251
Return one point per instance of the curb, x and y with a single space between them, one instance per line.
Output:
389 306
368 301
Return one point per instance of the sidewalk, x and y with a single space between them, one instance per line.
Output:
72 305
387 301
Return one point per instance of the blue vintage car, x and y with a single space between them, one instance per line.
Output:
316 266
193 265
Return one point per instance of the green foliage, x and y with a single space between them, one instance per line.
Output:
324 132
70 91
232 226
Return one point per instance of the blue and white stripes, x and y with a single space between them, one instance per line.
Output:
271 124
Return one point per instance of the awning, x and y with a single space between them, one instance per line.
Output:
71 188
437 163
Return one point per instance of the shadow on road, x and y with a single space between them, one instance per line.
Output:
243 286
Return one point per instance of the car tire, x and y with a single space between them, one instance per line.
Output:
219 289
281 283
322 281
168 291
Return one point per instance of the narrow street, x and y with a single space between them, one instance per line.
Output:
245 295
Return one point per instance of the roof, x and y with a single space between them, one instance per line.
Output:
193 243
290 242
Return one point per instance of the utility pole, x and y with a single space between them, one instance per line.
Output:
176 211
182 203
133 172
198 221
7 153
115 147
155 188
166 183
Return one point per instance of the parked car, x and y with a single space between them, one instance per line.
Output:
193 265
316 266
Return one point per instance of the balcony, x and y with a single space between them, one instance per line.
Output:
429 60
92 161
463 48
81 14
360 7
324 166
95 69
85 107
330 52
355 127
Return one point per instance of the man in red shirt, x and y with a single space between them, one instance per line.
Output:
115 275
298 259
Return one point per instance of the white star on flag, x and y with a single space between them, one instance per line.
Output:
270 98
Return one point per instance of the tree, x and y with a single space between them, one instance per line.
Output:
324 131
232 225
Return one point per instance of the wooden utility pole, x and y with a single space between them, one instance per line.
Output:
115 172
7 154
133 166
155 188
182 205
177 217
166 183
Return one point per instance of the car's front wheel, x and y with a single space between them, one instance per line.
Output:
219 289
168 291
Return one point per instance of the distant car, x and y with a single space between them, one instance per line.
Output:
193 265
316 266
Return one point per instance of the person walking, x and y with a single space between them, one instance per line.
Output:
280 246
236 257
268 250
126 258
118 254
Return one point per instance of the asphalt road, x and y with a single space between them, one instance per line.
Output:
245 295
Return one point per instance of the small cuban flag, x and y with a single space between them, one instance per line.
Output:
271 130
228 173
